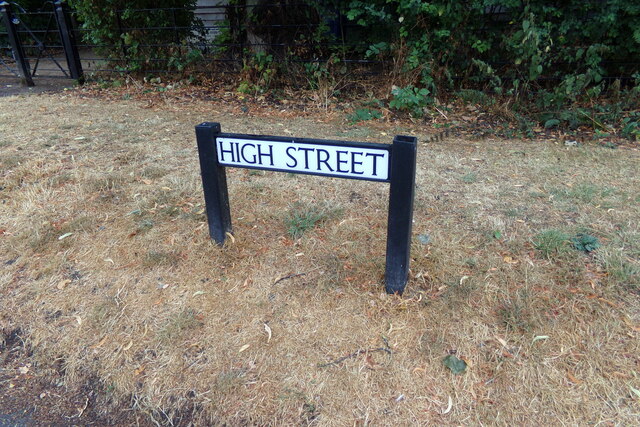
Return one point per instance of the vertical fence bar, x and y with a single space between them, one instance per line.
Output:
122 43
401 195
10 22
214 182
176 36
69 41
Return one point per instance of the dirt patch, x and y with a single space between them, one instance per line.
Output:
35 394
108 271
13 86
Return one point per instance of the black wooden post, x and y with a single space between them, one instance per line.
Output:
10 23
214 182
401 194
69 41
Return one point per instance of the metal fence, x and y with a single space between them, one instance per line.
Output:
217 38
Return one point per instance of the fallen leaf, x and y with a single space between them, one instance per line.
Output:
268 330
63 284
635 391
611 303
502 342
128 346
243 348
573 379
539 337
65 235
139 370
449 406
147 181
98 345
371 363
23 370
629 324
457 366
196 293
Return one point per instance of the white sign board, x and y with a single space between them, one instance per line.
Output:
330 160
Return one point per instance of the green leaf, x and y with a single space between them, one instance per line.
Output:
551 123
457 366
585 242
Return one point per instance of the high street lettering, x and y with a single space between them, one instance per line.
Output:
334 160
252 154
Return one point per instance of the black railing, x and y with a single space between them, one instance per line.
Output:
53 42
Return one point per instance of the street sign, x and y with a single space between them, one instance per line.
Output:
395 164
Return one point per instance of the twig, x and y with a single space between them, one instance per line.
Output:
291 276
595 122
443 114
354 354
80 410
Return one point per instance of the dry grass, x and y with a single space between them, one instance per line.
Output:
172 325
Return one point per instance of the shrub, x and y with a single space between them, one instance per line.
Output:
139 33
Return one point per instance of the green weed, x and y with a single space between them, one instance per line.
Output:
178 324
302 218
515 312
160 258
364 114
469 178
551 243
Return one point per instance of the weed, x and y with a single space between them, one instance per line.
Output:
513 212
60 180
621 268
469 178
302 218
226 381
551 242
8 162
154 172
410 99
585 242
631 127
471 262
105 183
259 72
515 312
364 114
472 96
160 258
51 231
178 324
143 226
584 192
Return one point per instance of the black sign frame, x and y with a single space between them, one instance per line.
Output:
401 177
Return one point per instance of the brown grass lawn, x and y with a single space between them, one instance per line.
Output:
108 274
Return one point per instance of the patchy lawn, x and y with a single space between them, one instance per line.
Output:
525 266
